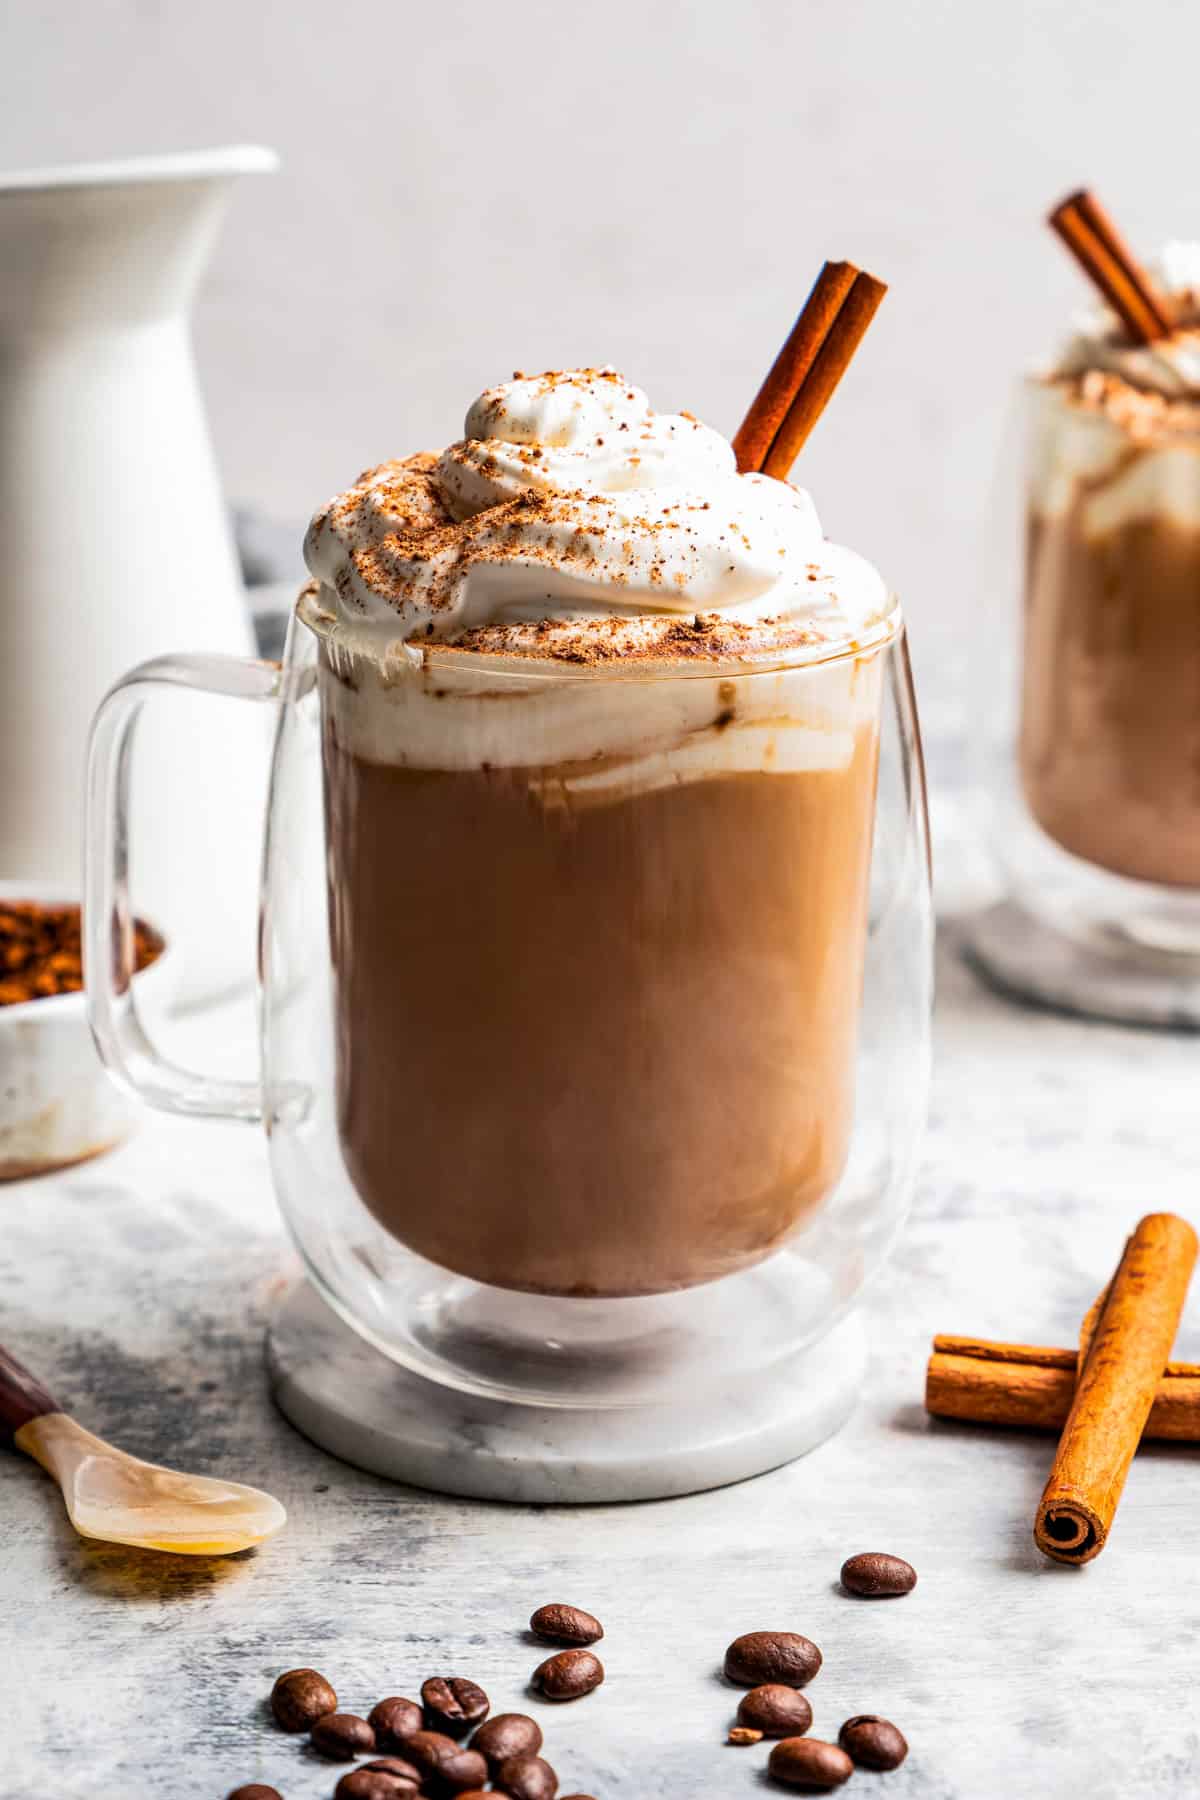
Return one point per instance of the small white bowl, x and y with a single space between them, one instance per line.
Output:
57 1104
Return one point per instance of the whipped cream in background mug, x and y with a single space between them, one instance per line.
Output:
1103 397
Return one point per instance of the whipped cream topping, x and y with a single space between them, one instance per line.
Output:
572 520
1170 367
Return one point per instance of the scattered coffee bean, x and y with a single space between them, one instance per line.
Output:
443 1761
301 1697
872 1742
804 1762
374 1783
527 1778
461 1772
875 1576
743 1734
394 1720
775 1711
255 1790
769 1656
342 1736
508 1734
569 1675
565 1625
453 1704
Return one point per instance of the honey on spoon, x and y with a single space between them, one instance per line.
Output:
121 1499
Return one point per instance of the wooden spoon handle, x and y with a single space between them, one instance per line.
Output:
22 1397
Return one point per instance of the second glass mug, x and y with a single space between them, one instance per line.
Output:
1085 725
582 1081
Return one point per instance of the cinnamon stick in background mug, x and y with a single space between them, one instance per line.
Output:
1122 1368
1100 250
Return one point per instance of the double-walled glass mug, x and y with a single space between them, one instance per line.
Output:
585 1075
1089 709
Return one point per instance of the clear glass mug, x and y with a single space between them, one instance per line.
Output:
581 1078
1088 710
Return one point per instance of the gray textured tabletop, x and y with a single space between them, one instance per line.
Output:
139 1285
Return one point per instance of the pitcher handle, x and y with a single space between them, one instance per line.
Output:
108 939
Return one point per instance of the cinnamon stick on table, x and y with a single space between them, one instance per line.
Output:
1100 250
1124 1363
1031 1386
804 375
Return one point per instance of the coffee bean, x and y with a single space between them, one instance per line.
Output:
508 1734
527 1778
373 1783
394 1720
743 1734
447 1764
404 1776
876 1576
255 1790
301 1697
453 1704
565 1625
569 1675
804 1762
769 1656
872 1742
775 1710
342 1736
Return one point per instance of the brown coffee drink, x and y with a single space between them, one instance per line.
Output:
597 849
597 1042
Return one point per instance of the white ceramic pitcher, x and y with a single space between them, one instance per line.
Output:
114 541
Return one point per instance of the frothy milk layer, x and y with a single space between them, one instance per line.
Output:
1116 425
597 732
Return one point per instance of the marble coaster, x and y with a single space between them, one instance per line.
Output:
356 1403
1021 956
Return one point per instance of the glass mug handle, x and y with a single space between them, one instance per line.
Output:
125 1049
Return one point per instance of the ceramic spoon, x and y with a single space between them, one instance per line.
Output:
121 1499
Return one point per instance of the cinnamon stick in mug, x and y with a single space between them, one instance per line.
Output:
1124 1362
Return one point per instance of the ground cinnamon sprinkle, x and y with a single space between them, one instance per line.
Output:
665 637
41 953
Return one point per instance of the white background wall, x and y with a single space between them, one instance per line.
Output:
473 187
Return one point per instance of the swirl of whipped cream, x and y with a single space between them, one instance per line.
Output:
1170 367
570 504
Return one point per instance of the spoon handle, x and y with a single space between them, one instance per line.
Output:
22 1397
